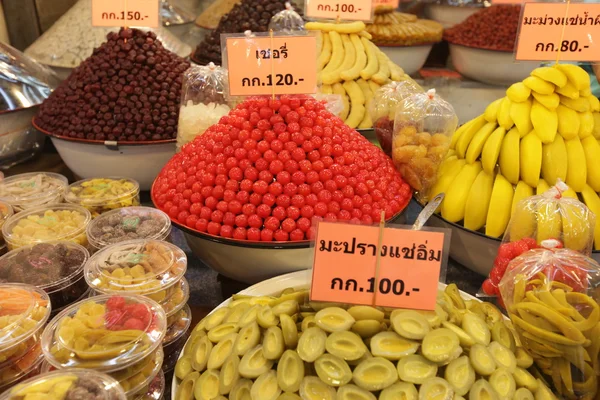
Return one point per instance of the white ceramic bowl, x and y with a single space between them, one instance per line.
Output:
448 15
489 66
274 286
410 58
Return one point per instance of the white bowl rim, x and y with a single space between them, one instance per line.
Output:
479 48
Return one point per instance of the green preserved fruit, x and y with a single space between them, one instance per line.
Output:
416 369
185 390
460 375
192 341
334 319
503 383
353 392
183 367
288 307
265 387
200 353
477 328
435 389
543 393
409 324
441 346
502 335
311 344
464 338
524 360
248 338
481 359
241 390
308 322
273 344
400 391
207 386
221 351
392 346
249 316
375 373
290 371
236 313
266 318
289 331
361 313
346 345
229 374
503 356
215 318
219 332
366 328
523 394
524 379
312 388
482 390
333 370
253 363
289 396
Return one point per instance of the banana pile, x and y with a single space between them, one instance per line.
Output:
350 65
547 127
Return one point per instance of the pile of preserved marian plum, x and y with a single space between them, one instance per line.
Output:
271 165
274 348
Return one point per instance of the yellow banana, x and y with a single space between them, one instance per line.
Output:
550 101
453 206
585 92
457 134
465 138
478 201
518 92
552 75
545 122
591 199
504 119
554 161
591 148
447 163
576 165
594 103
491 111
570 193
509 156
577 229
596 131
450 171
549 224
542 187
478 141
491 150
568 91
539 85
500 207
520 113
576 75
586 124
568 122
522 220
580 104
531 159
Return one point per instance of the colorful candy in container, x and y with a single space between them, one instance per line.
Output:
116 334
100 195
47 224
536 219
6 211
551 296
203 101
24 310
423 125
25 191
74 384
126 224
382 109
56 268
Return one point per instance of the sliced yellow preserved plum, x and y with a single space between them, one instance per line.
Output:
185 390
400 390
241 390
502 335
290 371
465 339
482 360
215 318
266 318
219 332
503 356
503 383
366 328
392 346
273 344
183 367
229 374
265 387
311 344
288 307
333 370
361 313
248 337
248 316
207 386
524 379
289 331
409 324
460 375
334 319
435 389
416 369
312 388
221 351
289 396
524 359
353 392
201 353
523 394
441 346
253 363
375 373
346 345
482 390
476 327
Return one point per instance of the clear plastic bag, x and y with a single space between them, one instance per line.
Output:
333 102
203 101
382 109
423 125
287 21
551 296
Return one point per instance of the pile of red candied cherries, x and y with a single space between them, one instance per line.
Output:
271 167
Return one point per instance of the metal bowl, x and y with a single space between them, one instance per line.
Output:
490 66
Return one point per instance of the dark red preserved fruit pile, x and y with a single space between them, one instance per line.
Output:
269 167
128 90
492 28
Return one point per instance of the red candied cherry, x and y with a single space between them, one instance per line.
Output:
320 209
222 206
276 167
196 208
279 212
296 235
112 319
234 207
330 217
284 177
290 189
303 224
115 303
141 312
488 287
311 199
496 275
134 324
266 235
246 185
304 190
275 188
255 199
255 221
283 200
213 228
307 212
297 200
248 209
191 220
520 247
272 223
263 210
344 215
242 196
530 242
280 235
253 234
229 219
506 250
182 216
239 233
293 212
241 220
324 196
268 199
226 231
217 216
260 187
201 225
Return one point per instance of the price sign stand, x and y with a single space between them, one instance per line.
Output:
389 266
270 64
339 10
567 31
141 13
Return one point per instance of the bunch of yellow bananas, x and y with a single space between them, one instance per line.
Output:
546 127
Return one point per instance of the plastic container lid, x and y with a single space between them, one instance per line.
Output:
128 223
98 192
72 383
28 365
6 211
156 389
149 370
24 311
33 189
106 333
180 323
49 266
47 224
141 266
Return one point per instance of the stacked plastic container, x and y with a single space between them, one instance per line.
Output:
100 195
6 211
34 189
24 310
120 335
151 268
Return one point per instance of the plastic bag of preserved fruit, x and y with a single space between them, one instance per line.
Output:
382 109
203 101
286 21
535 220
423 125
333 102
551 296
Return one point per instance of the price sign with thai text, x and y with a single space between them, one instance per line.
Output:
347 10
386 3
143 13
270 65
559 32
410 263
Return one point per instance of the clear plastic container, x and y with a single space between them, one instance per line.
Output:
139 379
142 266
106 333
47 224
6 211
177 325
100 195
126 224
24 310
67 384
178 297
28 365
156 389
34 189
85 295
172 352
57 268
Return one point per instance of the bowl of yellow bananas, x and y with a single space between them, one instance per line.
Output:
546 129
